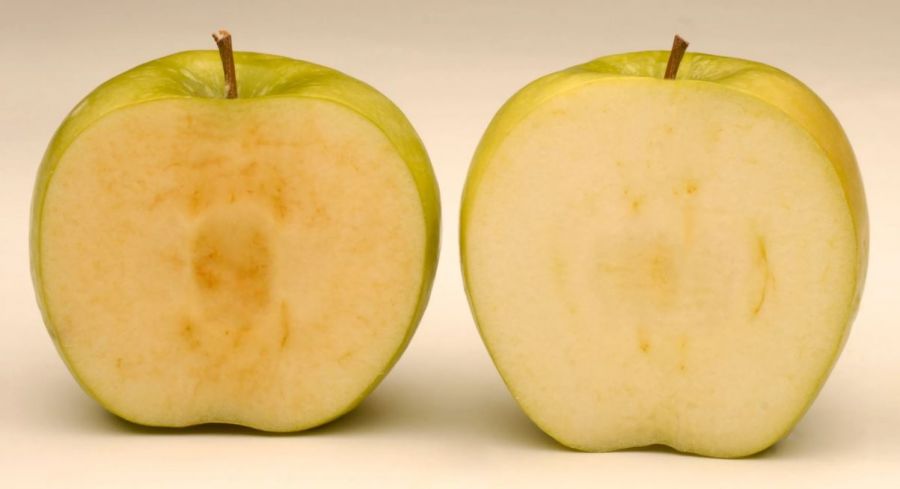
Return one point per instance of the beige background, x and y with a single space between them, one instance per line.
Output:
442 418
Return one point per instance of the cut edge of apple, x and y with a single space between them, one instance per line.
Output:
769 85
119 93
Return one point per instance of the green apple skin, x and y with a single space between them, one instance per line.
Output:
766 83
198 75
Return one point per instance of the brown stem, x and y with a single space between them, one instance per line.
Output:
679 46
223 40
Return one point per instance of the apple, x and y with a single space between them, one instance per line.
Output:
664 261
260 260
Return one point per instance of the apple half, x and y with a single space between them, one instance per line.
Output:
260 261
655 261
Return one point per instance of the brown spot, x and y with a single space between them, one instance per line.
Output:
636 204
195 201
682 351
279 204
156 200
189 333
690 187
285 324
255 136
343 359
119 363
661 269
318 215
643 341
763 257
203 272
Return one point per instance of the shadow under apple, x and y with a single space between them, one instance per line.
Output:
434 401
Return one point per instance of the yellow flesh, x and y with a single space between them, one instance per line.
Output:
253 263
656 262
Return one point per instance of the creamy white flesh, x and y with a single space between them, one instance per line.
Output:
656 262
253 263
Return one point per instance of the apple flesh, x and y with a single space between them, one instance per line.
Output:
260 261
670 262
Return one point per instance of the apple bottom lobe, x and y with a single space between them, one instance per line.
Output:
660 263
257 263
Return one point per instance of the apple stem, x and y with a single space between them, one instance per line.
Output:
679 46
223 41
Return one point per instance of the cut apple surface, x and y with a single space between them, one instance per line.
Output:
259 261
662 261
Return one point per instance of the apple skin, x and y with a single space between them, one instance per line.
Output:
766 83
198 74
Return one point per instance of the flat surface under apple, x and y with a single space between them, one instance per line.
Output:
654 262
252 261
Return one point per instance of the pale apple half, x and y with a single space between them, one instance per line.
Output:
260 261
662 261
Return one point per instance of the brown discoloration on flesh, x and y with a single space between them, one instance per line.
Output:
345 357
188 332
196 201
644 345
231 262
643 340
636 204
203 183
157 200
768 278
635 200
682 354
255 136
279 204
269 191
661 269
686 193
691 187
285 324
224 225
